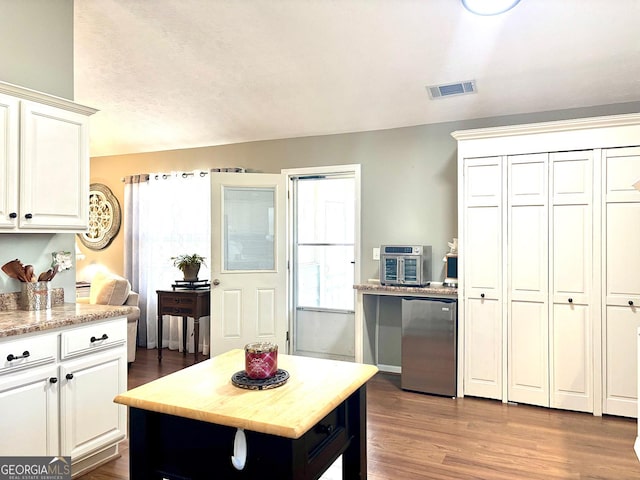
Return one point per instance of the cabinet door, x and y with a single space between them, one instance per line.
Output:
9 123
527 271
571 280
29 406
54 168
622 283
89 417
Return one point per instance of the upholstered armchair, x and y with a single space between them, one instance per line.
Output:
112 289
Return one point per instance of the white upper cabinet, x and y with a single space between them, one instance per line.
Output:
9 145
44 162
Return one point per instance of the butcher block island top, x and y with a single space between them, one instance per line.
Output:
204 392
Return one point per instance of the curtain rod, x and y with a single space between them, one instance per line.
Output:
145 176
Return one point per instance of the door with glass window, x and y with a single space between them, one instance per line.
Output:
248 260
323 257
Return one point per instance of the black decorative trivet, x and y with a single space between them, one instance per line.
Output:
242 380
191 284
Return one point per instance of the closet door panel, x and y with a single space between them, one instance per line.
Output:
527 271
482 255
528 353
572 253
622 253
572 370
572 177
483 181
621 377
483 348
571 267
622 171
621 283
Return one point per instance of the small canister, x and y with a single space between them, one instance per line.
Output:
261 359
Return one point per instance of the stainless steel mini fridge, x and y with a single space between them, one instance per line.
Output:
429 345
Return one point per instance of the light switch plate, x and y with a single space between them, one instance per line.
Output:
376 253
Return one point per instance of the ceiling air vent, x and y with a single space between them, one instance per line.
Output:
450 89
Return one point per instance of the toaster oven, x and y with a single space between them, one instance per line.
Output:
405 265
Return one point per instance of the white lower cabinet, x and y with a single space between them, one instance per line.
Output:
29 406
89 417
62 403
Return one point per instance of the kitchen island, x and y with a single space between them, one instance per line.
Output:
184 425
60 369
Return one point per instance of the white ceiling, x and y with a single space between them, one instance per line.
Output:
169 74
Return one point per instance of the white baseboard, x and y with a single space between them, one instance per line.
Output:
389 368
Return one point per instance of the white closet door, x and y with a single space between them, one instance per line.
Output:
527 270
483 227
483 310
571 358
622 281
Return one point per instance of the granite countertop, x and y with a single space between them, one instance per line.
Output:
18 322
376 287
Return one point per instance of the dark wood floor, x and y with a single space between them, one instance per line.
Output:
416 436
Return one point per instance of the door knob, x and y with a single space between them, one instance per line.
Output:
216 281
482 295
571 300
631 303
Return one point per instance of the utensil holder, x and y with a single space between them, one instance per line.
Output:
35 296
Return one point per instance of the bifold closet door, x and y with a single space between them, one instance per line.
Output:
483 277
570 330
528 272
621 169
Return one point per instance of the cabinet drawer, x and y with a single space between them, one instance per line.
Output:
28 352
177 304
331 428
95 337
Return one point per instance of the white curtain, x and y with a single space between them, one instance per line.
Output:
166 214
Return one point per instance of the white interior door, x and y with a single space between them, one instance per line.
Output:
248 260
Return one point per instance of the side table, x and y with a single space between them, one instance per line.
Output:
183 303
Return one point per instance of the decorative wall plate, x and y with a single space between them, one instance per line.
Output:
104 218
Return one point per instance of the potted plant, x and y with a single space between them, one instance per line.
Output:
189 264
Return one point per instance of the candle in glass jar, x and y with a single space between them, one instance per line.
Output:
261 359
